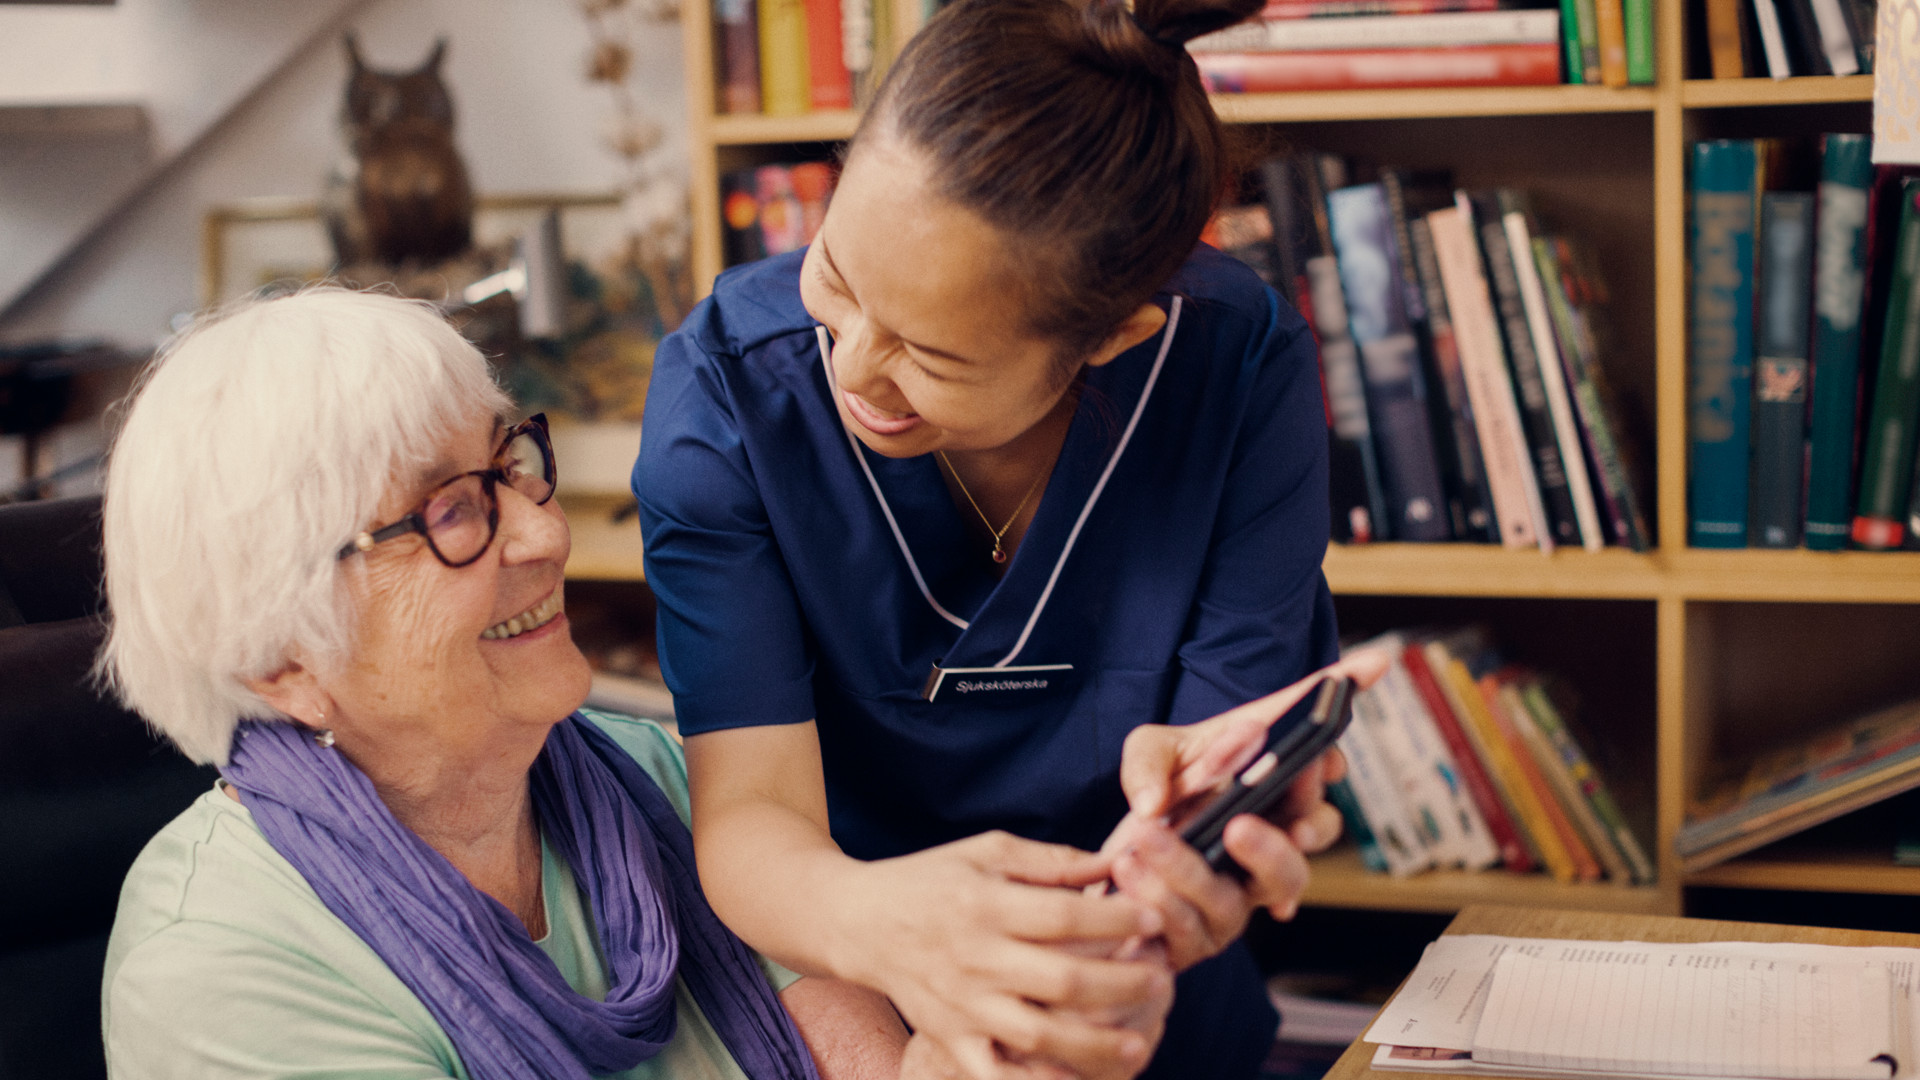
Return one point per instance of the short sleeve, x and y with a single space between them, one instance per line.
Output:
731 636
1263 616
199 1001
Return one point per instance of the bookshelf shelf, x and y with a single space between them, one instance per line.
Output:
767 130
1848 577
1738 93
1339 880
1405 104
1485 570
1804 871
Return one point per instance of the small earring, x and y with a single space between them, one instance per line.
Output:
324 737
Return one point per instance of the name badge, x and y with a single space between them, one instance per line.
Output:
995 685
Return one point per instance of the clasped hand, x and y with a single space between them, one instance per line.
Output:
1035 968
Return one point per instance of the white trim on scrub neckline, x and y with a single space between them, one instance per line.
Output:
1153 377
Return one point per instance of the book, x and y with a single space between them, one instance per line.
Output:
1639 28
742 241
1462 837
1837 38
857 49
1585 866
1376 792
1570 41
1520 231
1593 788
1512 848
1389 360
1340 794
1449 390
1773 40
737 33
1530 391
1599 425
1483 65
1720 341
1503 445
1784 297
1610 21
1802 37
1803 784
1586 11
1839 277
1566 790
1359 505
829 83
1886 466
1406 31
784 80
1321 9
1724 39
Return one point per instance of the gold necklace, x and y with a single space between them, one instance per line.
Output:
999 552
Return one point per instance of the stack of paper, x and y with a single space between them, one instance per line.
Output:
1487 1005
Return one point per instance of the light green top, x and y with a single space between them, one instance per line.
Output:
224 963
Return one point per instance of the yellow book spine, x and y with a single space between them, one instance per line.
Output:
785 89
1507 772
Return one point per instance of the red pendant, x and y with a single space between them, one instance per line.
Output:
999 554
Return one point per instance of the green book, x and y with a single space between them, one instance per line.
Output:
1639 20
1839 276
1886 465
1570 41
1587 19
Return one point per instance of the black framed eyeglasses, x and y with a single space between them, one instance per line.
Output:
459 517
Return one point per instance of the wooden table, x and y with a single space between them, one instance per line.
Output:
1606 926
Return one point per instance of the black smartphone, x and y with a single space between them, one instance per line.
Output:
1303 734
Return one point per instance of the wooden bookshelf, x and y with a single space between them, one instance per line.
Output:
1609 165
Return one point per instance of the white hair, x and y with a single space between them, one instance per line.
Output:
259 442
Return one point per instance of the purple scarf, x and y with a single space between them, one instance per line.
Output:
500 999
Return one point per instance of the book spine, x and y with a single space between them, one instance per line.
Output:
1773 42
1390 361
1570 41
1360 503
1724 39
1377 792
1426 812
1483 65
1783 297
1612 477
782 218
784 89
1509 847
738 36
1536 420
1579 813
1340 794
1721 341
1342 9
857 49
1499 757
742 241
1464 833
1836 37
1801 31
1547 716
829 83
1639 25
1553 377
1585 866
1840 255
1516 498
1589 16
1476 499
1887 464
1610 15
1450 29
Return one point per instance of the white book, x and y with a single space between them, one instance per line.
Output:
1772 42
1553 374
1370 776
1421 791
1455 28
1468 841
1836 40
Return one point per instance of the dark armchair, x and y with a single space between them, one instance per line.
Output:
83 785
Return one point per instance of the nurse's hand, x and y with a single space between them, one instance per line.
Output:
990 949
1161 766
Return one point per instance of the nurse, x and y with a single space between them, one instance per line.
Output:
951 515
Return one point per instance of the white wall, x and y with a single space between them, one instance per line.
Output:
527 120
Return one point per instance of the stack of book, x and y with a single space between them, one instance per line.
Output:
1460 348
790 57
1457 759
773 209
1781 38
1345 44
1805 349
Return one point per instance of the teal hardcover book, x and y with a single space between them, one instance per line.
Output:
1839 274
1720 341
1784 296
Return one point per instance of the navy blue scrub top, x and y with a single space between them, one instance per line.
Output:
1193 585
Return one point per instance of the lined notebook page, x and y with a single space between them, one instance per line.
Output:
1592 1007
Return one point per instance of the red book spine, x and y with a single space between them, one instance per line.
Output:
832 83
1478 65
1319 9
1513 853
739 47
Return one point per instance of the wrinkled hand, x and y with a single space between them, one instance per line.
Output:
1001 963
1162 767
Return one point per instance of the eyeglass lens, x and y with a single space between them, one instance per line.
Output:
460 516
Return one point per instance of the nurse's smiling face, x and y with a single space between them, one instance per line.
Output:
926 305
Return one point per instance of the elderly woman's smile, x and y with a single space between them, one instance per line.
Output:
537 617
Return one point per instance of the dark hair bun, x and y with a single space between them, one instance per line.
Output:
1176 22
1152 36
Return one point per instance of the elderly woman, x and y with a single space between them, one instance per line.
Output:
335 571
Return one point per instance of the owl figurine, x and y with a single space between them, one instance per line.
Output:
401 192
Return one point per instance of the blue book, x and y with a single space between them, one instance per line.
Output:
1720 345
1839 277
1363 242
1785 295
